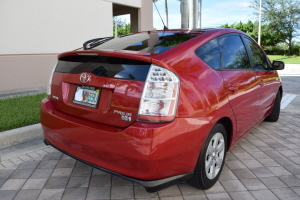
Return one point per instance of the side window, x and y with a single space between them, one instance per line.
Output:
209 53
259 58
234 54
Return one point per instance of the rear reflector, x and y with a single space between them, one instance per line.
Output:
160 96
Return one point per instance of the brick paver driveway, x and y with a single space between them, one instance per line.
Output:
265 164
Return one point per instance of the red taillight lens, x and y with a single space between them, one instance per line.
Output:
50 81
160 95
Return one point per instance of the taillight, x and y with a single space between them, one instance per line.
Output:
50 81
160 96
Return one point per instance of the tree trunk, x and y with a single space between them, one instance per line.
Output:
193 14
184 14
199 25
290 46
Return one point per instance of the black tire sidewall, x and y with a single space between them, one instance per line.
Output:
274 116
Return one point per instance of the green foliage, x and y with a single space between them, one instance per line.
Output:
283 49
271 41
268 38
20 111
275 50
123 28
173 40
296 49
283 18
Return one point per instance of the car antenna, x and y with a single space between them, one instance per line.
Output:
165 28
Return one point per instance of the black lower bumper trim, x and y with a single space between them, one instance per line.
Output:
150 186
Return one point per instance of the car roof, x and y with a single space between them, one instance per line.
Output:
203 36
198 31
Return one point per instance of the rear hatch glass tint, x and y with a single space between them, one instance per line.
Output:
110 96
152 42
110 67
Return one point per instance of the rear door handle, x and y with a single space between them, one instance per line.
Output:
232 87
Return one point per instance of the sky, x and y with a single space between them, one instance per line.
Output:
214 13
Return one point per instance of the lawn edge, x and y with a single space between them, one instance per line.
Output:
20 135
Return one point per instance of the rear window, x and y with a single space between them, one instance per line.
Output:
152 42
110 67
210 53
234 54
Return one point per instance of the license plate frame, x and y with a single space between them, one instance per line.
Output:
87 96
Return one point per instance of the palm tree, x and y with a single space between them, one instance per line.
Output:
184 10
199 13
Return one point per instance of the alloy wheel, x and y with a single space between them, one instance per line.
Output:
214 155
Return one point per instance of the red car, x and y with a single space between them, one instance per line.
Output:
160 107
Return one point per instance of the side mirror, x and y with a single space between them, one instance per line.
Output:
277 65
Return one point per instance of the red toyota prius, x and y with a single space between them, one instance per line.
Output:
160 107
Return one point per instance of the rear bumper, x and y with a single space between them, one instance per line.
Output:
151 186
153 155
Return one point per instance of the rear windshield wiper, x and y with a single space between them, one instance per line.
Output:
95 42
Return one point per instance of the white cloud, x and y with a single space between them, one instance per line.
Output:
244 4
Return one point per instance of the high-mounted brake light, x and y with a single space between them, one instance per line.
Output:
160 96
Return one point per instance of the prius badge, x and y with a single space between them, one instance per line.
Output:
85 77
124 116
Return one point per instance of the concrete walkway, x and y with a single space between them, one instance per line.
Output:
265 164
290 70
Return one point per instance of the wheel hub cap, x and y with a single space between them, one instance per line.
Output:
214 155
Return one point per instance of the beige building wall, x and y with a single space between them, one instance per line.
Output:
51 26
146 15
130 3
141 18
33 32
25 71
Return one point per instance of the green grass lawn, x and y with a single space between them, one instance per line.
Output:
20 111
286 59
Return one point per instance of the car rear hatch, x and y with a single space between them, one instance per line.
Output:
105 82
102 87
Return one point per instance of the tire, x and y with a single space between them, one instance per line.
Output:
274 116
211 160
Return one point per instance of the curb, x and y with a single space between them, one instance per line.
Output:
20 135
21 92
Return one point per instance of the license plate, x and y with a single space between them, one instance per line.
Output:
87 96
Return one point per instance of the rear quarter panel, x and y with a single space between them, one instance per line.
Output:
202 92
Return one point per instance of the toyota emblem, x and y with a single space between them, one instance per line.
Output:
84 77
